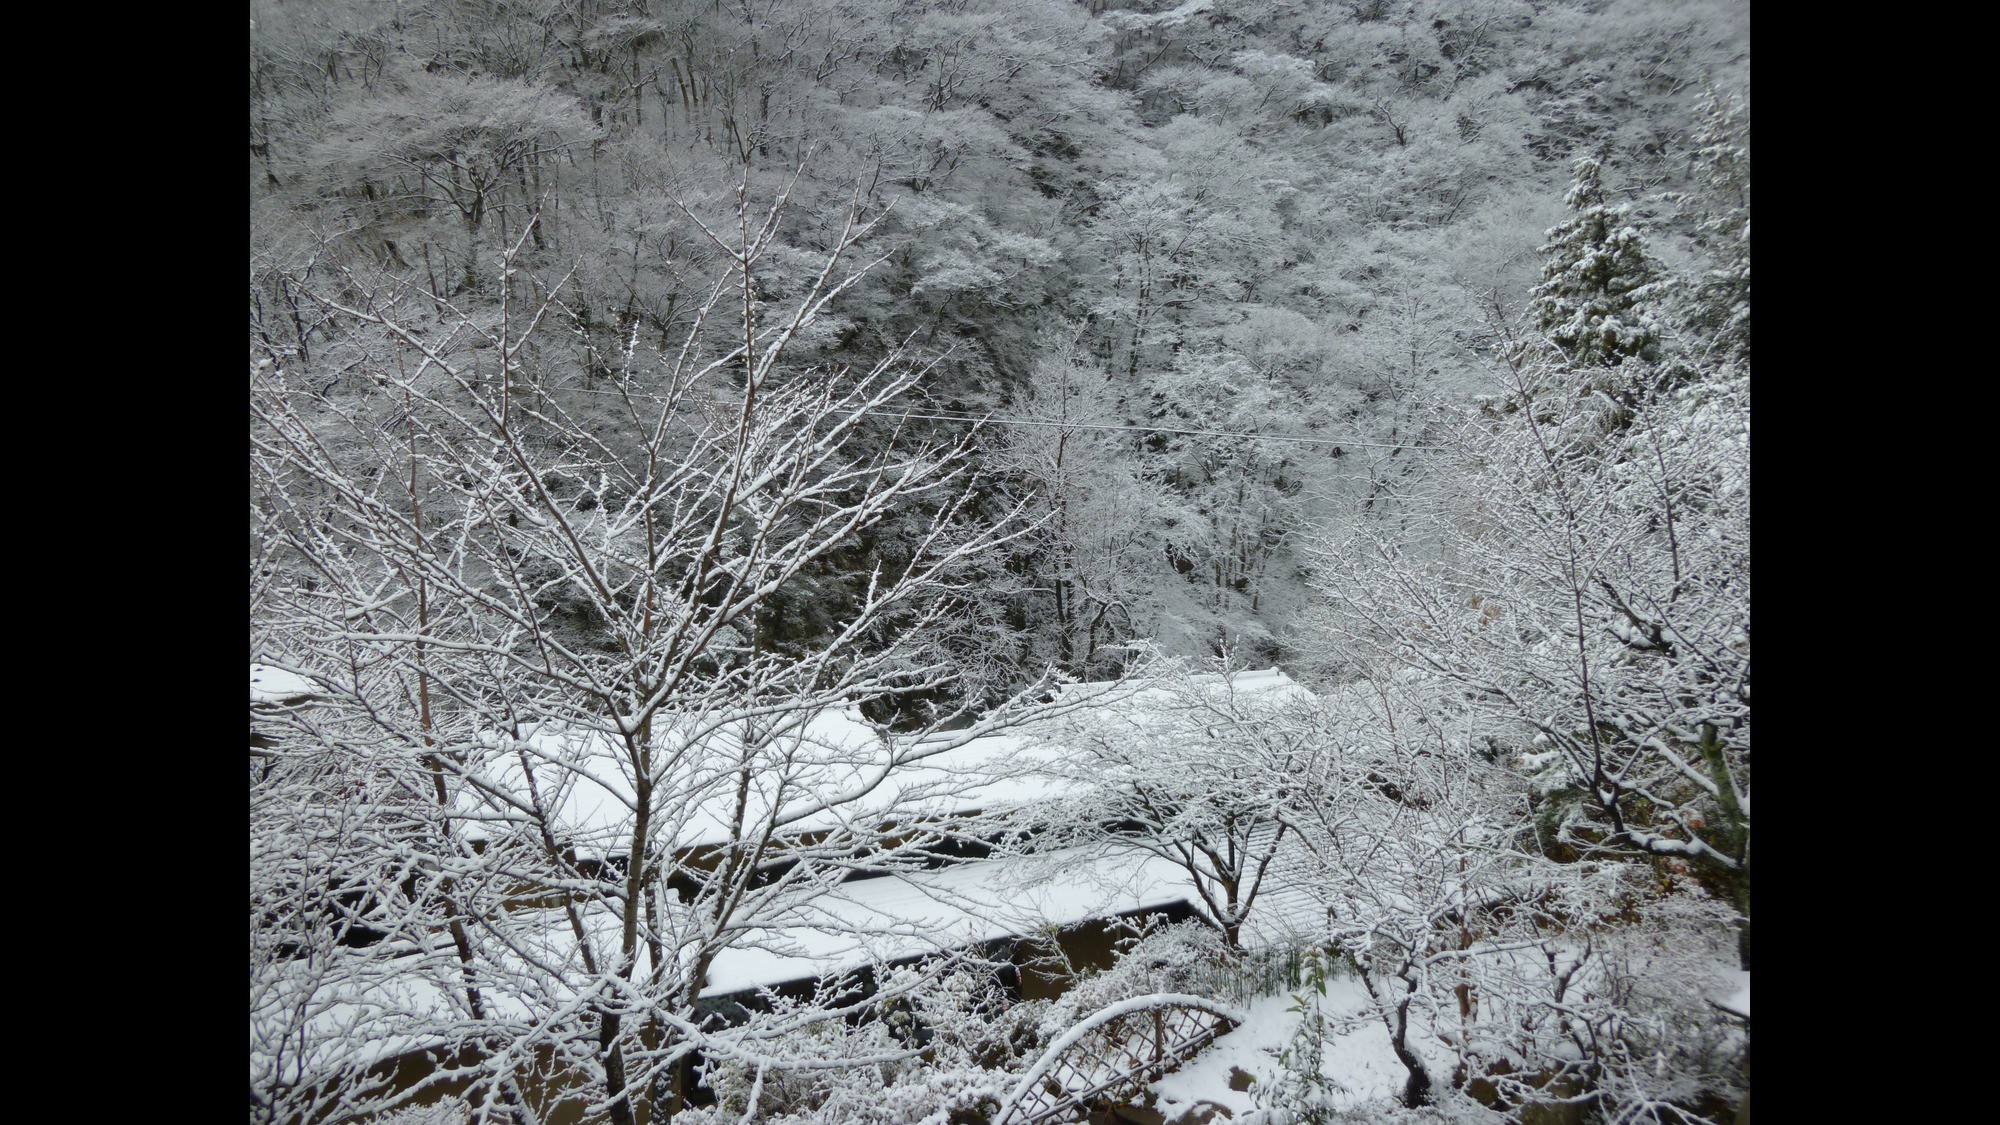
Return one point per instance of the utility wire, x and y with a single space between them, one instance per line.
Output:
990 420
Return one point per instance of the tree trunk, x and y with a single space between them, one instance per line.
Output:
1417 1089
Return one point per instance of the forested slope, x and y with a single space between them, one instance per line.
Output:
1297 221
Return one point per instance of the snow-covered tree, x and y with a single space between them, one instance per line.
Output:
434 144
1599 283
1589 594
1376 823
1483 958
566 759
1196 770
1101 574
969 1032
1719 301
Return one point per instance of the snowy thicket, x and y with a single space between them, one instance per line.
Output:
1198 771
1561 649
1376 826
428 795
1585 596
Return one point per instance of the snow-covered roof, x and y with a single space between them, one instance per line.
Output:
910 914
851 925
895 917
275 685
1265 684
585 778
800 764
844 926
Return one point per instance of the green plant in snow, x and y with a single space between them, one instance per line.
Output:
1302 1092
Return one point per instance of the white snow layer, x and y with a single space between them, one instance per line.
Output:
274 685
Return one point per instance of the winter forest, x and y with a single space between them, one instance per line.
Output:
999 562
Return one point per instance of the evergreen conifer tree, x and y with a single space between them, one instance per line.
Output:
1599 280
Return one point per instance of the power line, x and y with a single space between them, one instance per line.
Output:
991 420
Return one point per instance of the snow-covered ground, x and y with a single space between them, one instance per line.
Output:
1735 995
1358 1057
